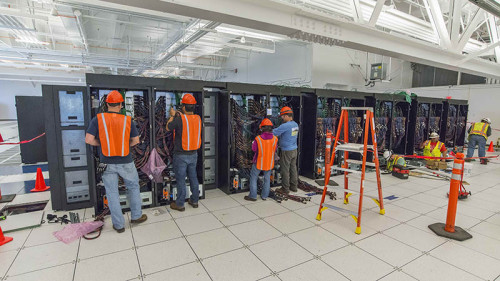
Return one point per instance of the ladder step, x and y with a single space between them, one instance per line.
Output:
358 108
357 176
341 209
341 189
352 161
346 170
353 147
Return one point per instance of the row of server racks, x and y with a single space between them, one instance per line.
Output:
231 114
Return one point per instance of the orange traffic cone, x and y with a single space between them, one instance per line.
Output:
3 239
490 149
1 139
40 182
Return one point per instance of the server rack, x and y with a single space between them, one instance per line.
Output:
400 124
383 111
425 118
463 111
71 164
450 125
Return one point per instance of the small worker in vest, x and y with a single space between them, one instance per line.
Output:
478 135
433 147
115 134
287 134
187 140
393 159
264 147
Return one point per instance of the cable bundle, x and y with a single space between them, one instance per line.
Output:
142 150
304 186
451 124
164 139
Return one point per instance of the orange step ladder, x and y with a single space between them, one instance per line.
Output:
353 148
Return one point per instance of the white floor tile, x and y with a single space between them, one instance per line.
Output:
317 240
397 276
108 242
198 223
464 221
288 222
19 239
293 205
219 203
427 268
188 272
117 266
488 229
310 213
473 212
155 232
235 215
423 222
270 278
213 242
165 255
434 200
350 259
483 244
414 205
7 259
156 215
267 208
377 221
39 257
44 234
189 211
239 197
239 265
494 220
213 193
345 227
468 260
421 240
57 273
314 270
398 213
280 253
254 232
388 249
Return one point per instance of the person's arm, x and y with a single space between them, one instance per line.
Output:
171 119
134 141
254 146
444 152
488 132
134 134
470 128
423 144
92 140
279 131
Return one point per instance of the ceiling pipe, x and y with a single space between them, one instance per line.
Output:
78 18
489 5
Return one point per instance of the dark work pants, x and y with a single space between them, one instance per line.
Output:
288 163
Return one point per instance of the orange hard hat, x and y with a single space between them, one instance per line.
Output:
114 97
265 122
286 110
188 99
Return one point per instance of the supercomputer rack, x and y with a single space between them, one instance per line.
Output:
400 124
425 118
463 110
383 111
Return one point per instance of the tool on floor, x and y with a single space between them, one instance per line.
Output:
304 186
74 217
449 229
4 239
55 219
40 182
98 230
347 147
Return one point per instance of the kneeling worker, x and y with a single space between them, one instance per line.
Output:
433 147
115 133
187 128
393 159
264 147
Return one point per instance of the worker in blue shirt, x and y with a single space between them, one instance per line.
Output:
287 134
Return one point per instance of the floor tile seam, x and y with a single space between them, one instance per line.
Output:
343 238
36 270
135 251
402 242
192 249
18 252
477 251
397 270
132 226
336 270
169 268
373 255
430 254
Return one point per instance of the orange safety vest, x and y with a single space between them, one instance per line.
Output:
191 132
265 156
114 134
480 129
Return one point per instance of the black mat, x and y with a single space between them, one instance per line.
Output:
7 198
321 182
459 233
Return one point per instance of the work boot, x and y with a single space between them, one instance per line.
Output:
194 205
142 218
293 189
174 206
119 230
468 160
248 198
282 190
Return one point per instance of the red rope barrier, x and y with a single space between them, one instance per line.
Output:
23 142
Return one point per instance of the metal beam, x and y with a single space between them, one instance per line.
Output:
493 29
358 13
289 20
455 15
376 12
476 20
480 52
437 20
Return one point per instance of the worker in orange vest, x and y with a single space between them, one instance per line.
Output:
114 134
187 140
478 135
264 147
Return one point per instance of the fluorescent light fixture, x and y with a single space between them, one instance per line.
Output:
252 34
32 41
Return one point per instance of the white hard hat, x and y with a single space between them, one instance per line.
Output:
387 154
434 135
487 120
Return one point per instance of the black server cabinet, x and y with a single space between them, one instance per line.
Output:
383 112
31 125
71 164
425 118
451 127
400 124
463 111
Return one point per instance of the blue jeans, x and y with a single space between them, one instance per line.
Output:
476 140
110 178
254 175
186 164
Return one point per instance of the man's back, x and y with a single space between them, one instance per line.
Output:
287 133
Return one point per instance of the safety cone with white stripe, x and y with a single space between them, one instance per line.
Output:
449 229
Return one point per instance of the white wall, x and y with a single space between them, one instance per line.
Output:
484 101
346 69
8 92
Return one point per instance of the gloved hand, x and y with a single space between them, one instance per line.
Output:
101 168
